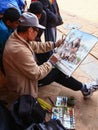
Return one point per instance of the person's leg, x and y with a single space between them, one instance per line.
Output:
42 57
59 77
50 34
87 89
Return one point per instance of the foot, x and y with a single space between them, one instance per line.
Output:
89 88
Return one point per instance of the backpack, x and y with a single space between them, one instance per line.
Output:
49 125
6 120
26 110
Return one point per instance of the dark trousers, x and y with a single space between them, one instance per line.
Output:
59 77
50 34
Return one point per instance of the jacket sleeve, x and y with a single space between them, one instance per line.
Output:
26 64
42 47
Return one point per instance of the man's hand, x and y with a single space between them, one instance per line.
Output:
59 42
54 58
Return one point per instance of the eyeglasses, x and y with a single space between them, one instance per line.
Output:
35 29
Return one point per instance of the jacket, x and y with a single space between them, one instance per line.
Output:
5 4
52 10
5 32
22 71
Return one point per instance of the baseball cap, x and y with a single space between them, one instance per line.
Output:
29 19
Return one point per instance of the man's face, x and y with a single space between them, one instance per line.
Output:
12 25
38 16
32 33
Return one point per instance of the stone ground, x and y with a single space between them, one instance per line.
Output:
84 14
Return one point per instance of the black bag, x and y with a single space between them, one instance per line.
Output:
26 110
6 120
50 125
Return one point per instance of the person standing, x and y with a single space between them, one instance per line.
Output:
36 8
53 19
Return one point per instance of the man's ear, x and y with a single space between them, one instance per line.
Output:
30 29
8 22
38 16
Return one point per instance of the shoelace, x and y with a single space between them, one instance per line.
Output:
93 87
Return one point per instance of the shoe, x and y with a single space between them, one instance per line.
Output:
89 88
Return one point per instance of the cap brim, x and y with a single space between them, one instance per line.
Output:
41 27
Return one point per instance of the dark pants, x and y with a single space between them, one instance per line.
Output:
59 77
50 34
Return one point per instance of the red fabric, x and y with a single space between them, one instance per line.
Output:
51 1
33 0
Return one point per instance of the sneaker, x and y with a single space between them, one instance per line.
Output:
89 88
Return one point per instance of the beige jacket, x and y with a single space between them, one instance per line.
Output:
21 69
